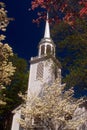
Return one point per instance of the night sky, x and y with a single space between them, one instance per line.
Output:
23 35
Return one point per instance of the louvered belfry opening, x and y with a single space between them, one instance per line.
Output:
40 68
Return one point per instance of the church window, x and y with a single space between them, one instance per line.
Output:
20 127
84 127
48 49
52 50
39 71
42 49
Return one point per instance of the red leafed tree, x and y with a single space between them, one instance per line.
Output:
67 10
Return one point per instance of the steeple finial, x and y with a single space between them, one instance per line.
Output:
47 28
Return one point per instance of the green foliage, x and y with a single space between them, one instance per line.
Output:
72 52
19 83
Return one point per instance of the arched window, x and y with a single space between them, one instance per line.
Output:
48 51
42 49
40 68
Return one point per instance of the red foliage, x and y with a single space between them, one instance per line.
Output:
47 4
37 3
83 11
63 6
69 18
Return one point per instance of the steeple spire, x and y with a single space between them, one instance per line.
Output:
47 28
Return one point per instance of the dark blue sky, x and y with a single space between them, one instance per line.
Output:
23 35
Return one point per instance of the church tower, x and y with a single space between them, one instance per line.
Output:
44 68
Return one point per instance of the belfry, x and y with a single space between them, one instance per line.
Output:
44 69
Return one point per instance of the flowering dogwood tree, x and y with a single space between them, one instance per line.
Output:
53 109
4 20
6 68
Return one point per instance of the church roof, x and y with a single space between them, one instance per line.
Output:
37 59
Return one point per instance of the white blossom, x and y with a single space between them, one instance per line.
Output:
55 108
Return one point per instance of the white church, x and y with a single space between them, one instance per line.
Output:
41 71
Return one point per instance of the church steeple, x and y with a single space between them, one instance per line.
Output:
46 45
47 28
42 72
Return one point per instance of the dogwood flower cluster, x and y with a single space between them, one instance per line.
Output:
4 20
6 67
